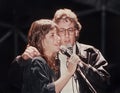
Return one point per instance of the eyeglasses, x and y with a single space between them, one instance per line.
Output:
63 31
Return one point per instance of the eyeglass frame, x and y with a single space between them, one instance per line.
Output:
70 31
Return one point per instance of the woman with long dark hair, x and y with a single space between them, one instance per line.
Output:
41 75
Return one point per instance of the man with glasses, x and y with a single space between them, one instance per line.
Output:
91 75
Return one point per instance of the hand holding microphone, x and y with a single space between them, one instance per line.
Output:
72 63
67 50
72 60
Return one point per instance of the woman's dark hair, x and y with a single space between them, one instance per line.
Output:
37 33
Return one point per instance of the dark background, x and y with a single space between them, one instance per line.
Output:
100 20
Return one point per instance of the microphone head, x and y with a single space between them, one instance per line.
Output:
69 46
66 50
63 49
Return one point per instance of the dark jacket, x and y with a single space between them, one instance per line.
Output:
15 75
31 76
94 73
38 77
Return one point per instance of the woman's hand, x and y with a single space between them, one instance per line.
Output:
72 63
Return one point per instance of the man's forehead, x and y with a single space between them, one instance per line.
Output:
65 20
65 23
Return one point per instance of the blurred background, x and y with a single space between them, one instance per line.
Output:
100 20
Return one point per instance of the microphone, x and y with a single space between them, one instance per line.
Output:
67 50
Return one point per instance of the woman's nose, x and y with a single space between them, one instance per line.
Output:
58 38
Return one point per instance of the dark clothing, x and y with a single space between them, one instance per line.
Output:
38 77
95 72
15 74
35 76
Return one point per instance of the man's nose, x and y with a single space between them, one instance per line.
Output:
66 33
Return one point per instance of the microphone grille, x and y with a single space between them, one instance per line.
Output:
66 50
69 46
63 49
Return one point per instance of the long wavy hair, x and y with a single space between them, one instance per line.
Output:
37 33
